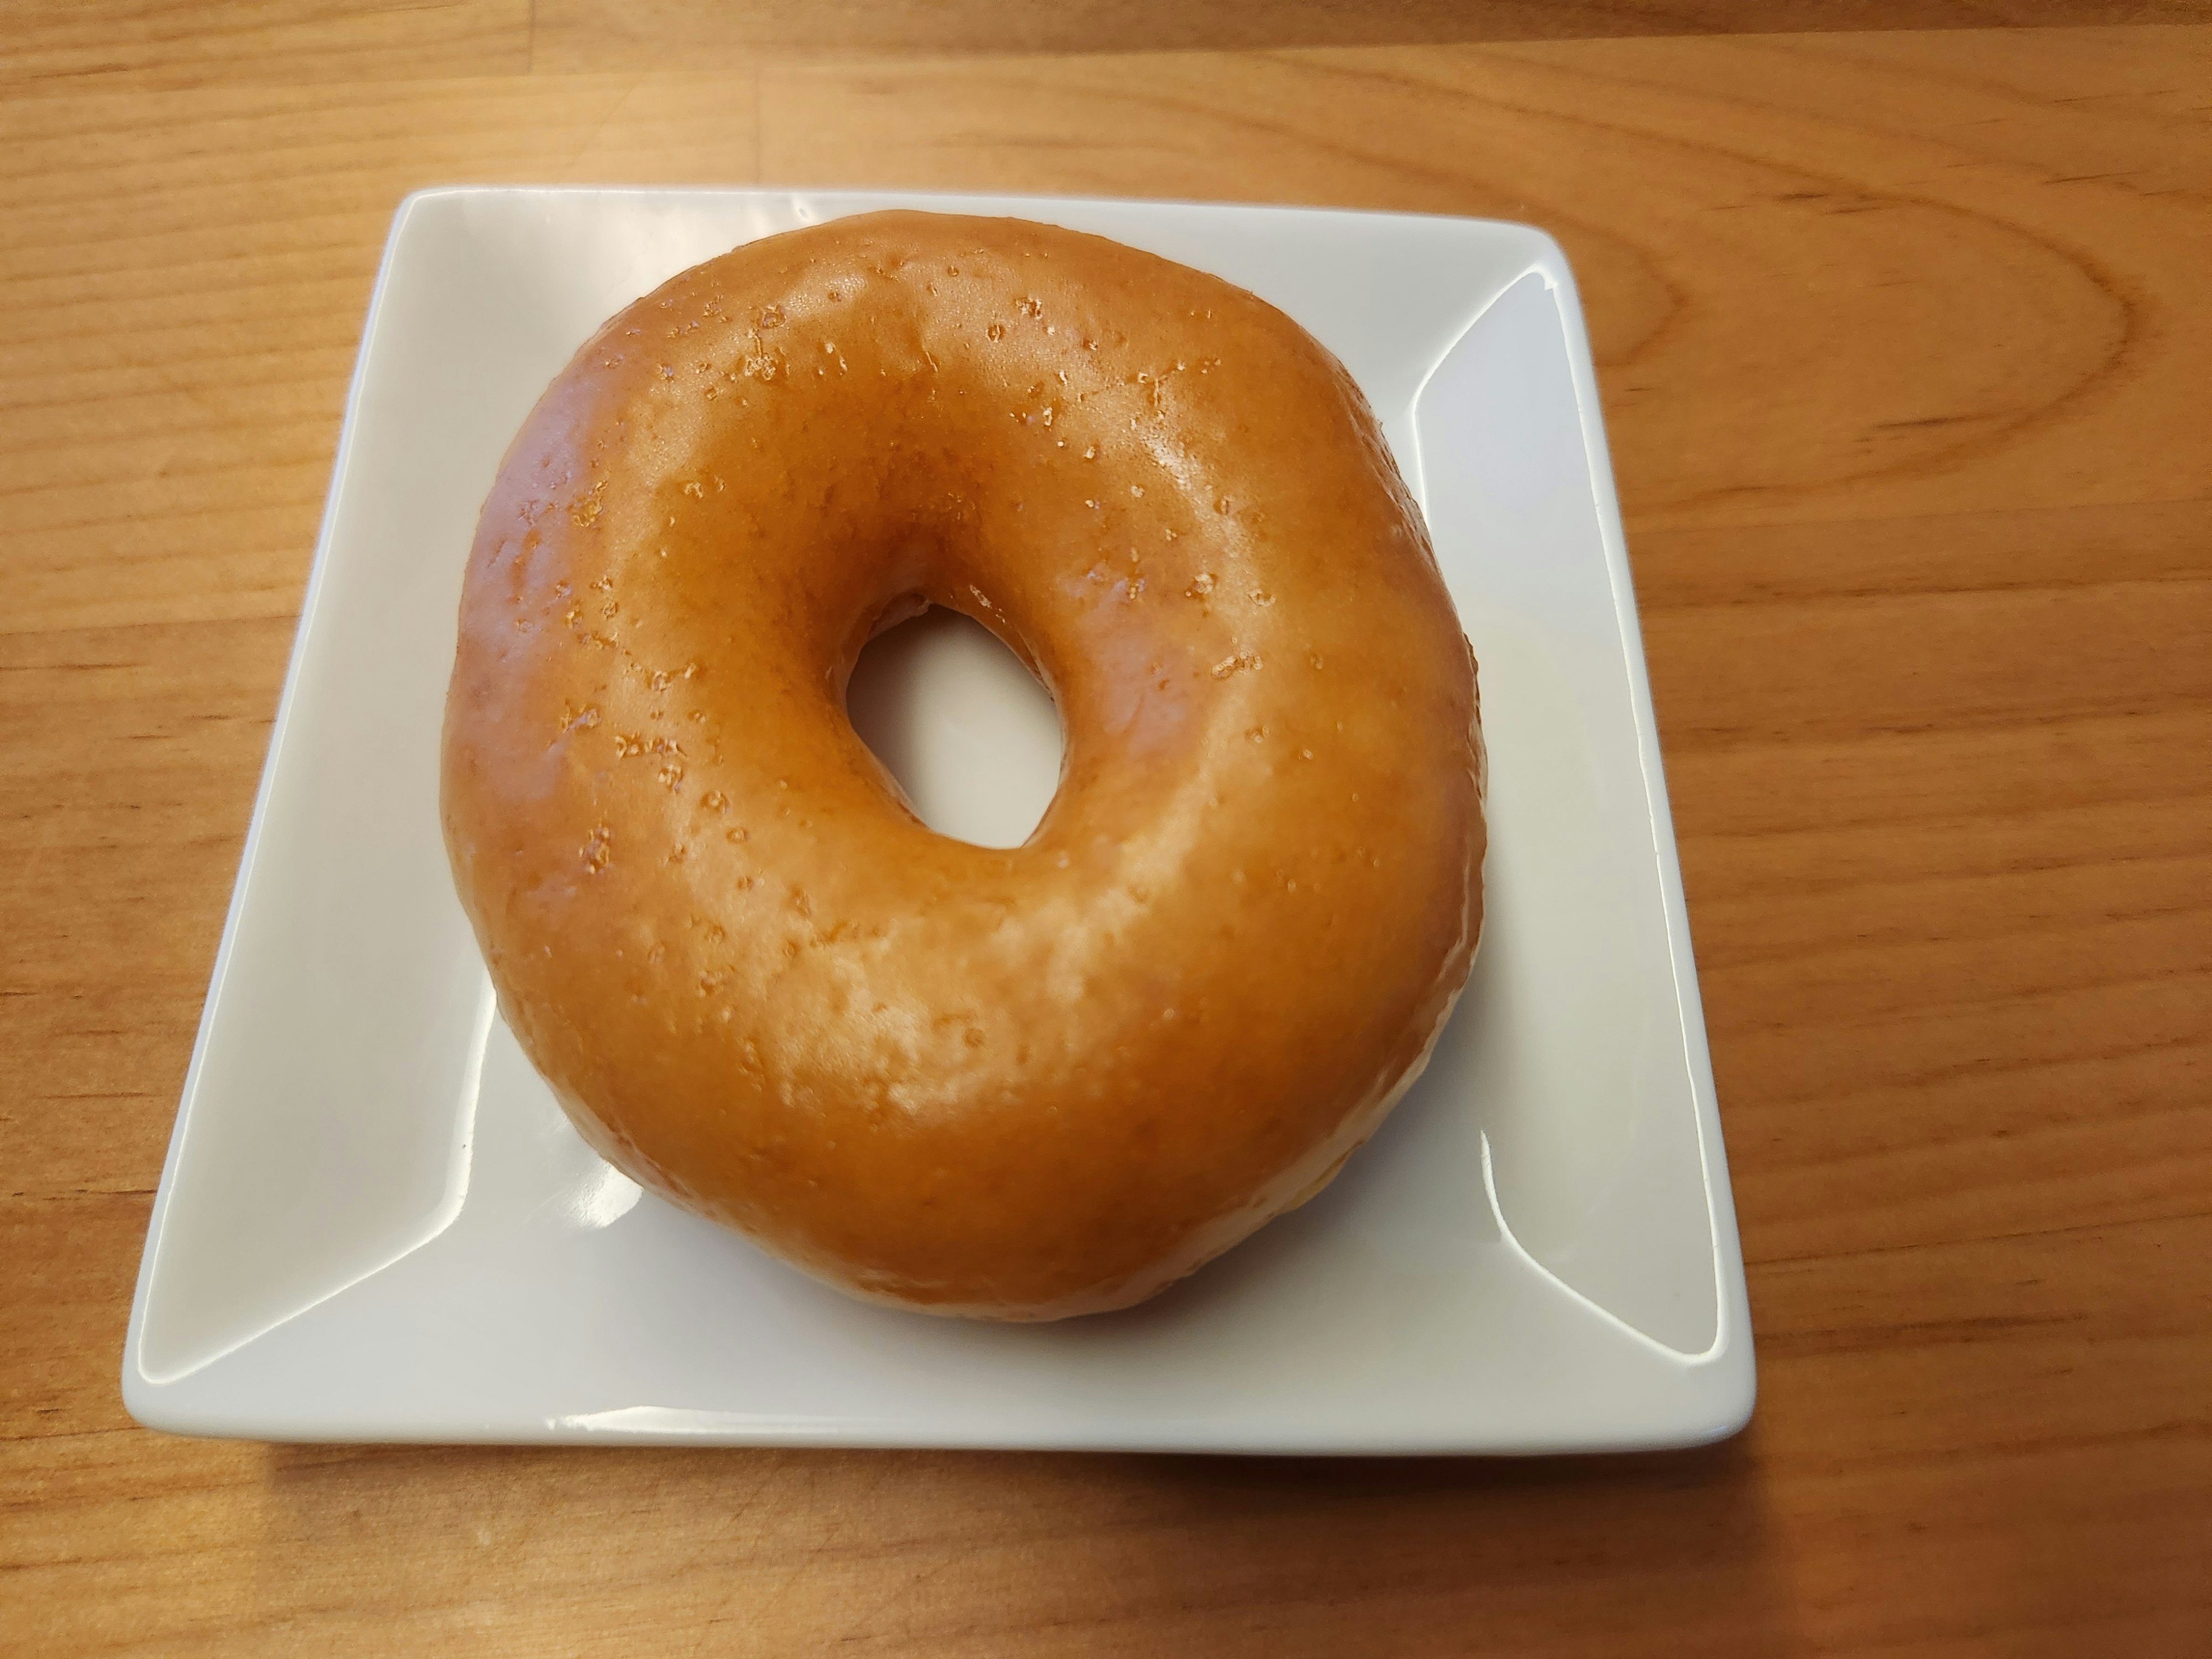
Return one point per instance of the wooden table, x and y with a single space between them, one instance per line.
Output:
1907 344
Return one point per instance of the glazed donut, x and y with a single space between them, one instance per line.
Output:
1012 1083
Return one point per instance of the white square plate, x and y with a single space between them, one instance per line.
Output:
375 1225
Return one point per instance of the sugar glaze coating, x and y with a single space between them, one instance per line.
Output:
1013 1084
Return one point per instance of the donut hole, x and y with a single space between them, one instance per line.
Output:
972 736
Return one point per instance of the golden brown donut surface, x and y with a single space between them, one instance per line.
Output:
1016 1084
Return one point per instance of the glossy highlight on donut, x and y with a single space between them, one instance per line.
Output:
1016 1084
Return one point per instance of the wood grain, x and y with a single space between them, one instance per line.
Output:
76 45
1904 346
666 33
